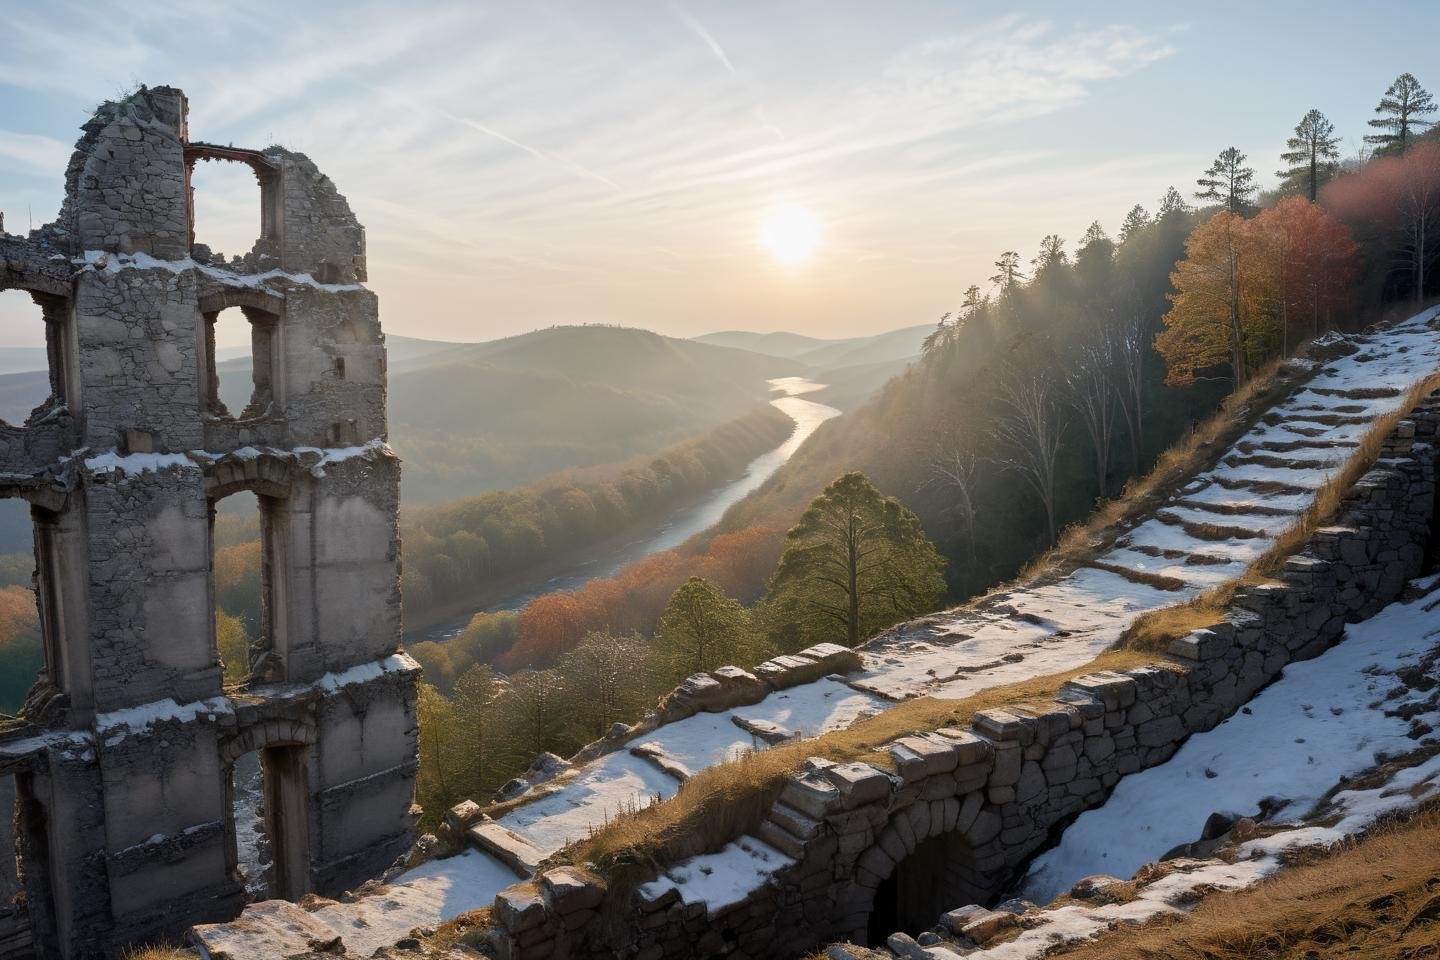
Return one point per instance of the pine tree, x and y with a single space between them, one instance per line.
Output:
856 563
1228 181
1171 204
1007 272
1402 110
1094 263
1137 219
1313 155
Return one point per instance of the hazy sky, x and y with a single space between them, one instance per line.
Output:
523 164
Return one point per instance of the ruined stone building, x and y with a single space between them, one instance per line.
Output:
122 757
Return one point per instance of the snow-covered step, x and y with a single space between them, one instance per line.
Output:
1232 507
1356 393
1287 478
765 730
511 849
1284 461
1158 581
1195 570
1202 528
1338 448
657 755
1326 419
1266 487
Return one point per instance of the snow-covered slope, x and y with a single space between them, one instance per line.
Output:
1325 720
1207 533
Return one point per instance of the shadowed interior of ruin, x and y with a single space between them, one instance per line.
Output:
936 877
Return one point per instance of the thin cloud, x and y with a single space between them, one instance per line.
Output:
539 154
32 153
697 28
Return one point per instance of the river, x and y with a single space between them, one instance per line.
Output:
680 525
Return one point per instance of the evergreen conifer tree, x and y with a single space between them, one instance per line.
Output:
1402 111
1312 155
1228 181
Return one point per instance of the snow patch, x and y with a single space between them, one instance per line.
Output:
722 878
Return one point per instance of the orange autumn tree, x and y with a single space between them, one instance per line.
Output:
1311 262
1217 311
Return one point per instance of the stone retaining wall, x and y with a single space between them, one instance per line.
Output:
966 809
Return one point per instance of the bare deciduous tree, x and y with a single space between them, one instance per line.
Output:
1131 336
1028 433
1090 382
953 463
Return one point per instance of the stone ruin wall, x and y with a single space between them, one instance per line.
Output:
998 792
125 827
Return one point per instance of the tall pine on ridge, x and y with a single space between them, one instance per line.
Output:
1402 112
1228 181
1313 155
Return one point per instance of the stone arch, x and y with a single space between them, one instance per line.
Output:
931 856
224 297
282 746
266 734
264 474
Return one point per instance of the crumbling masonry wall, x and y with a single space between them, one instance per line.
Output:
125 829
1001 789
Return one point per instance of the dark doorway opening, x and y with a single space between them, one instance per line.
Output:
269 823
936 878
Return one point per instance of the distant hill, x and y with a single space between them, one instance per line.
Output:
22 359
778 344
903 344
473 417
853 368
893 345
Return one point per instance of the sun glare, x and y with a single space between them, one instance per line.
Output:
790 232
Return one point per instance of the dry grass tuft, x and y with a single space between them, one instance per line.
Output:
159 952
1201 448
1378 899
468 928
723 802
1153 631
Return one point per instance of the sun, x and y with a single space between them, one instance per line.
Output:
790 232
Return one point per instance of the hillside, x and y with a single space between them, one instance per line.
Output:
826 355
493 415
472 417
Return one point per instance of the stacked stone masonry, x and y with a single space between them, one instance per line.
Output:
978 803
123 756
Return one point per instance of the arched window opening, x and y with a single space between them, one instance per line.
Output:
269 855
240 349
31 356
246 557
229 202
937 877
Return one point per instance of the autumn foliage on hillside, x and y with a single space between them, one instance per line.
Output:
1247 290
634 599
1394 201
